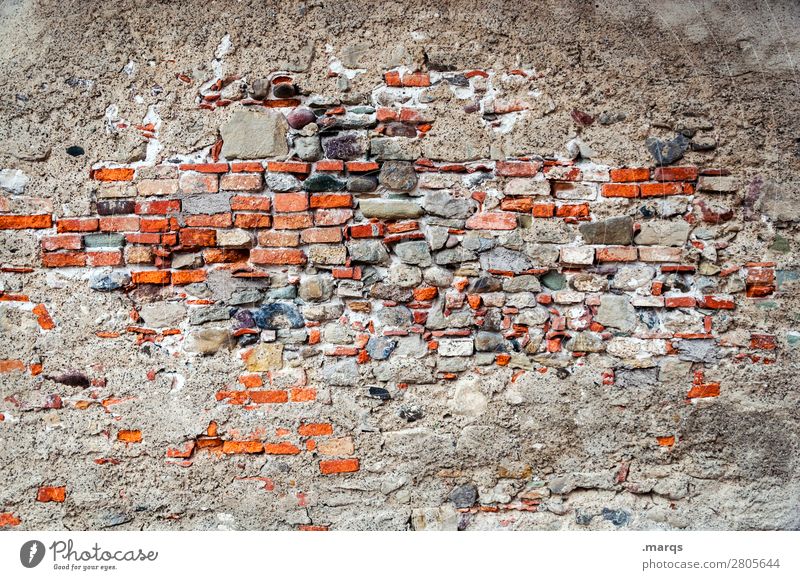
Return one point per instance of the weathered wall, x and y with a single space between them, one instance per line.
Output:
380 266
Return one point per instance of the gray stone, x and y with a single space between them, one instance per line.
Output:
380 347
398 175
198 316
108 281
104 240
454 256
632 277
636 378
367 251
308 148
389 209
254 135
405 276
524 283
245 296
278 315
437 276
282 182
666 152
442 203
322 312
463 496
402 370
327 254
612 231
395 316
586 342
162 314
505 260
616 312
663 233
316 288
489 342
210 203
554 280
13 181
403 148
415 252
705 351
362 183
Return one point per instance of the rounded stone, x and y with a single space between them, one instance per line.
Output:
300 117
284 90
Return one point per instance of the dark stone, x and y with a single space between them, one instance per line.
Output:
380 347
244 319
411 414
616 517
581 118
616 231
396 129
248 339
116 206
666 152
75 150
362 183
583 518
72 379
284 90
347 146
260 89
464 496
489 342
379 393
486 284
278 315
398 175
323 182
300 117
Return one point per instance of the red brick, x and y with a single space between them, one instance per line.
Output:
386 114
77 225
204 167
62 242
517 168
217 220
703 390
492 221
192 238
688 173
129 436
183 277
661 188
331 200
113 174
235 447
252 220
362 166
291 202
287 257
64 260
329 165
679 302
718 302
315 429
119 224
109 258
199 183
321 236
333 466
240 182
347 273
292 221
269 396
161 207
11 365
146 238
289 167
370 230
523 204
250 203
616 254
151 277
763 341
425 293
281 449
619 190
392 79
573 210
278 239
303 395
54 493
153 225
627 174
43 317
25 222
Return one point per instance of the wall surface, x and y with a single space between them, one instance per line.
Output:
355 265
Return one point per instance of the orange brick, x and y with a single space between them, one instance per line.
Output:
51 493
661 188
315 429
113 174
679 302
333 466
11 365
362 166
240 182
329 165
225 256
688 173
280 239
321 236
251 381
252 220
619 190
331 200
192 238
616 254
299 395
250 203
495 220
119 224
627 174
517 168
151 277
151 225
160 207
64 260
289 167
281 449
108 258
544 210
523 204
703 390
182 277
269 396
8 519
247 167
43 317
425 293
417 79
62 242
25 222
290 202
392 79
217 220
129 436
573 210
77 225
666 441
231 447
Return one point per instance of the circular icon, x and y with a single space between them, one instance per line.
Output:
31 553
